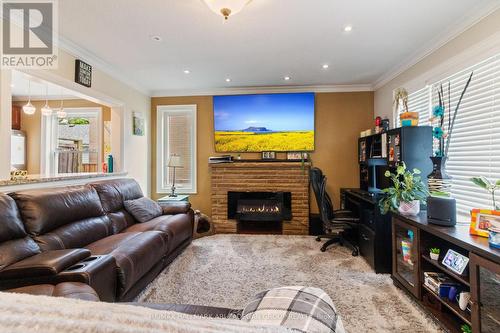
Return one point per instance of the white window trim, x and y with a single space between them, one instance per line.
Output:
161 162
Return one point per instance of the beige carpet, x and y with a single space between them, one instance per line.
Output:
226 270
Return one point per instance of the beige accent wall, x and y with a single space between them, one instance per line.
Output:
31 125
481 32
339 119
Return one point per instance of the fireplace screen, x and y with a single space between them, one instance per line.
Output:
259 206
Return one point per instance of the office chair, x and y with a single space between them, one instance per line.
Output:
336 223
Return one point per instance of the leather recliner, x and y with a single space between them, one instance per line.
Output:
51 230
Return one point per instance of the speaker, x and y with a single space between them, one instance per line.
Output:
442 211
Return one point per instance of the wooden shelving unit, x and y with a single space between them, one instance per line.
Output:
436 263
480 277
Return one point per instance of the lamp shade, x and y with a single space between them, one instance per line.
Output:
226 8
174 161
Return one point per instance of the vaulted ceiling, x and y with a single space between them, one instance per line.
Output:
267 41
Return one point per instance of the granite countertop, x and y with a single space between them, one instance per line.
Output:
33 179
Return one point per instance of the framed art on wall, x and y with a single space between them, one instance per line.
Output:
138 123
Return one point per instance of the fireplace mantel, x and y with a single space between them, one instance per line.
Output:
273 176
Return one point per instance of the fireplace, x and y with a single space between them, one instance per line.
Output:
259 211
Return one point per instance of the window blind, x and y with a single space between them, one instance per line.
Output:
176 134
475 142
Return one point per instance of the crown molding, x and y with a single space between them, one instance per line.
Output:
89 57
263 90
434 45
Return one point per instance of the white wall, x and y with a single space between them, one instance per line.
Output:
135 152
475 44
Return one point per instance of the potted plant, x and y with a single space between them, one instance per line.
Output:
434 253
406 194
488 229
465 328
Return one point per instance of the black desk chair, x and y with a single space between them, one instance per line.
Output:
336 223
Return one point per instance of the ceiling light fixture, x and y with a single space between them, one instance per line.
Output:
287 78
46 109
326 66
156 38
348 28
61 114
228 80
187 71
226 8
29 108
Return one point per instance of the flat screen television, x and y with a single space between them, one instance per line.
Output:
265 122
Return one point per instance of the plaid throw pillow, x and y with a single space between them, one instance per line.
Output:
303 309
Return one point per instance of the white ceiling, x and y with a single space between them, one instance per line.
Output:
268 40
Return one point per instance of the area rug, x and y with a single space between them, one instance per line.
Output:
227 270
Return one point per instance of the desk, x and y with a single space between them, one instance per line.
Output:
374 237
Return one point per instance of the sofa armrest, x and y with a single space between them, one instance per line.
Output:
44 264
172 208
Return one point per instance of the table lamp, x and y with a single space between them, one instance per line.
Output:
174 162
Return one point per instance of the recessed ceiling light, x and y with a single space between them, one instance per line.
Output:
228 80
156 38
187 71
12 85
326 66
348 28
287 78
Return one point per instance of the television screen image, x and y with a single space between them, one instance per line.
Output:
266 122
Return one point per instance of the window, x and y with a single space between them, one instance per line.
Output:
73 144
475 143
176 135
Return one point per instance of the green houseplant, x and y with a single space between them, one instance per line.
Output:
406 194
491 187
434 253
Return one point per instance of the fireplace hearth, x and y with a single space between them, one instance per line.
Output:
259 206
246 176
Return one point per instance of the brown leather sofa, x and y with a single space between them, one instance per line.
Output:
84 234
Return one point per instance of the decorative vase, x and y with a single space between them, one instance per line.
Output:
434 256
438 179
411 208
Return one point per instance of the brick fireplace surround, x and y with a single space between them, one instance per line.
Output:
266 177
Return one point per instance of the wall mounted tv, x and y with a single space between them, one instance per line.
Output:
265 122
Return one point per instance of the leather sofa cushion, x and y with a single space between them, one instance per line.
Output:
44 264
135 254
178 228
173 208
143 209
74 290
17 249
114 192
47 209
75 235
11 226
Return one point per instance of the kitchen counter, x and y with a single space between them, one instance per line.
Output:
38 181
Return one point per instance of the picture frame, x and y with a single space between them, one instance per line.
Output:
268 155
138 124
297 156
482 220
455 261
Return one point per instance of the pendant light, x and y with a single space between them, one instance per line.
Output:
47 110
61 114
29 108
226 8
